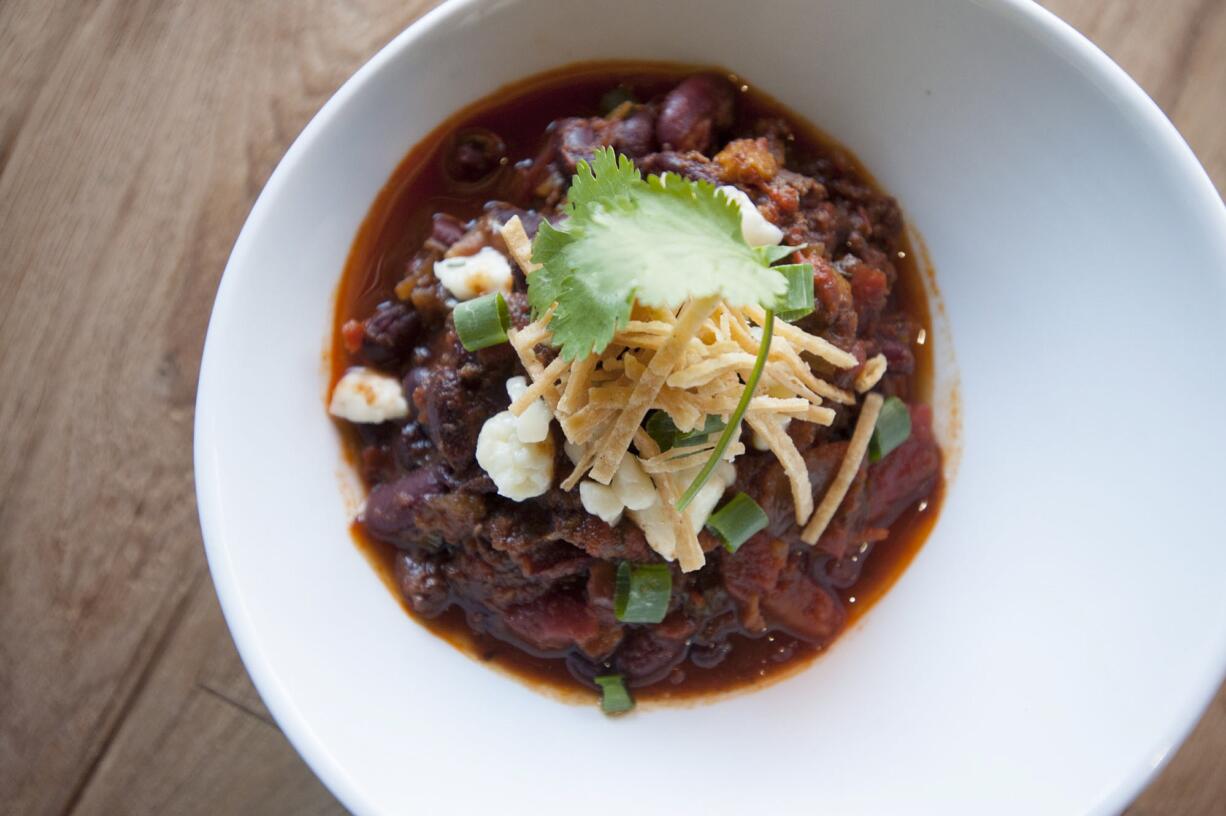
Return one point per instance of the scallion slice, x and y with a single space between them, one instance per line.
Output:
614 698
482 322
643 592
798 300
734 421
892 429
737 521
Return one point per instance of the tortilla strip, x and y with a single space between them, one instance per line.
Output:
776 405
689 552
871 374
577 384
771 430
581 426
519 244
702 373
661 328
540 385
813 344
687 459
846 473
613 447
685 415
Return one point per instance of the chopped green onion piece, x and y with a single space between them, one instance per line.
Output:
734 421
892 429
798 300
643 592
482 322
660 427
614 699
737 521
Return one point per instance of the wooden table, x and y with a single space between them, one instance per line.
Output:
134 137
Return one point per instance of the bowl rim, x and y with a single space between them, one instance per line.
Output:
1033 19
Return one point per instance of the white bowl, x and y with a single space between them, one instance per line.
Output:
1066 622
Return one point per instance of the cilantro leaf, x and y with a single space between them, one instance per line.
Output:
661 241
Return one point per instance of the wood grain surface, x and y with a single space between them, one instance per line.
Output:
134 138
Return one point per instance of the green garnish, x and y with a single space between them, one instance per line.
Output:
738 521
892 429
614 699
660 241
734 421
798 301
482 322
643 592
660 427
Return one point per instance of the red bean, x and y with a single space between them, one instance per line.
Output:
694 112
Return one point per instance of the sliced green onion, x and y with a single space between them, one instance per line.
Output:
614 699
660 427
798 300
643 592
892 429
738 521
734 421
482 322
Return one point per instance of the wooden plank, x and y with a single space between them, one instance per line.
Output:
139 141
134 137
199 741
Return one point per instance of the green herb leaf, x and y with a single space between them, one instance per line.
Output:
643 592
614 698
660 427
738 521
892 429
661 241
797 302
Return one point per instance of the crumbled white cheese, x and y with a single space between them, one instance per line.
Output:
754 226
601 501
657 529
520 470
533 424
633 486
700 509
470 276
362 395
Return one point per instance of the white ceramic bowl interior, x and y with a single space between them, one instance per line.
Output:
1066 622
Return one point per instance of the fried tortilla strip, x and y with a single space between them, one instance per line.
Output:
770 429
614 446
519 244
848 468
